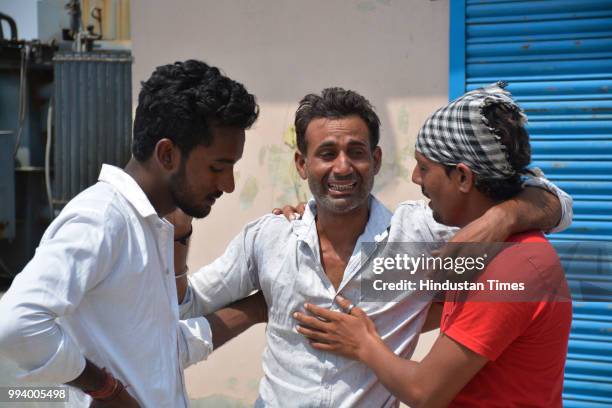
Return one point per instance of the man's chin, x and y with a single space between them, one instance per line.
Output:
340 205
437 217
196 212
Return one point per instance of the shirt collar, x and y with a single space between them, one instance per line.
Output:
375 230
128 188
378 223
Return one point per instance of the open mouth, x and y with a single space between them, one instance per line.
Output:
342 187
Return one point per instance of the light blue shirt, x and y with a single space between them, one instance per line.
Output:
282 259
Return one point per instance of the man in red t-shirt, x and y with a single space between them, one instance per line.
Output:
496 347
523 341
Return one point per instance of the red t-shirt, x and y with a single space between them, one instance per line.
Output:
524 341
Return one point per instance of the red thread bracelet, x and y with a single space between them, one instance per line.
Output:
111 388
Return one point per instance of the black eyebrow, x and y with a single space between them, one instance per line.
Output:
333 144
326 144
357 142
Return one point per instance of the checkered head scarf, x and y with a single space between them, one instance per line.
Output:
460 133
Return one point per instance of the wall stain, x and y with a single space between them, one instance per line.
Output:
248 193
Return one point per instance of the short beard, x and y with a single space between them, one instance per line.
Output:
437 217
341 206
179 192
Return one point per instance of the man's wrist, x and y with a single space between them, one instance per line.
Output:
369 349
111 388
182 273
92 378
182 239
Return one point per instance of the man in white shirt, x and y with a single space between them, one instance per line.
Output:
317 257
96 307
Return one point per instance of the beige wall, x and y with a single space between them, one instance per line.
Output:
393 52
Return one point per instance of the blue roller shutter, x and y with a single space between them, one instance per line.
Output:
557 57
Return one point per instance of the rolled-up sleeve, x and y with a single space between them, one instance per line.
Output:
230 277
195 341
73 257
536 178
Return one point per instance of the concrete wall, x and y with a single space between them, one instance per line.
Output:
393 52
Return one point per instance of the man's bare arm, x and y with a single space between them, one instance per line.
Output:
225 323
532 209
93 378
180 269
182 236
433 382
434 315
234 319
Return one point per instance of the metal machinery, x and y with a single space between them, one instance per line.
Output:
65 108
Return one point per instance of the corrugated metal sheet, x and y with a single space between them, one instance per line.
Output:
93 117
7 185
557 57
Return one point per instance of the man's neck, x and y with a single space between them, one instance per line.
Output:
338 234
476 204
151 186
342 228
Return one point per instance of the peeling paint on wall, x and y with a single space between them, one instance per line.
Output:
248 193
403 120
277 160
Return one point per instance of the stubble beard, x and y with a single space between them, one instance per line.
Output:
340 205
179 192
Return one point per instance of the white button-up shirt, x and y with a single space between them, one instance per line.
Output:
101 286
283 260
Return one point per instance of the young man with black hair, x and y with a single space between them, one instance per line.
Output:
318 257
496 349
96 307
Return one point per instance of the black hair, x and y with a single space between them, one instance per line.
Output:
508 125
335 103
181 102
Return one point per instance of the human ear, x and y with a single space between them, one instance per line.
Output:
167 155
465 178
377 155
300 164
